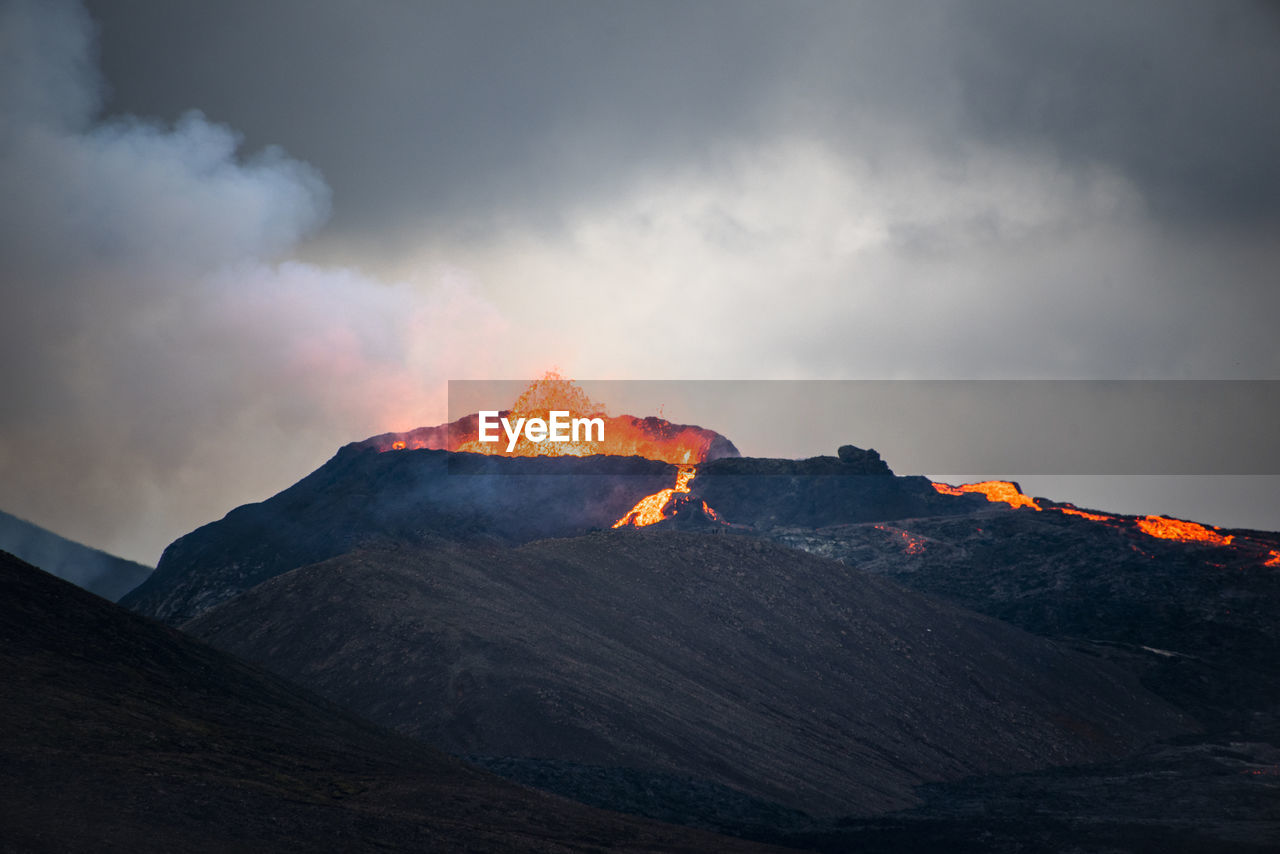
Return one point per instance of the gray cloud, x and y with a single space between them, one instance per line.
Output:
477 110
1071 183
1180 96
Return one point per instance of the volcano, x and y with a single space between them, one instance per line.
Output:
365 497
792 650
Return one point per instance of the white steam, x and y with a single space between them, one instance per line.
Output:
164 360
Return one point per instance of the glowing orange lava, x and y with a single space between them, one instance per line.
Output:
1160 527
1165 528
994 490
912 544
1176 529
650 509
624 435
1094 517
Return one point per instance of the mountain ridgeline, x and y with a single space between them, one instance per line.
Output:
365 497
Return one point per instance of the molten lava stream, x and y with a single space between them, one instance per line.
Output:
1176 529
1092 517
1160 527
649 510
994 490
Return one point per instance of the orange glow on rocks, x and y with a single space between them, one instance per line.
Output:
911 544
624 435
994 490
652 508
1176 529
1093 517
1161 527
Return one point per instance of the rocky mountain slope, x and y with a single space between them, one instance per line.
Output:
725 658
118 734
364 497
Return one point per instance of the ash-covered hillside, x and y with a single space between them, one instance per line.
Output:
725 658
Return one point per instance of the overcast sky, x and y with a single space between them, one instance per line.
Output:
236 235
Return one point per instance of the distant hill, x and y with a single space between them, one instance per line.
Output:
118 734
96 571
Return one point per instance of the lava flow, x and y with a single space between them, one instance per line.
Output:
1176 529
994 490
1160 527
624 435
1092 517
651 509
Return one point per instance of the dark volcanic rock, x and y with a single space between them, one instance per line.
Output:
118 734
1197 620
1209 797
96 571
855 487
363 497
863 462
660 796
723 658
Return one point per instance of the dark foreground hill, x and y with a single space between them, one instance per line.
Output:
785 676
117 734
1215 796
96 571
